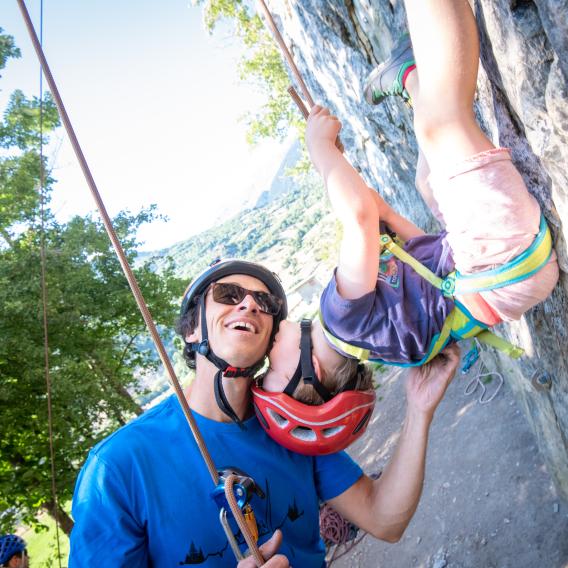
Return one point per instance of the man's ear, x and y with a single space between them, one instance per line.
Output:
194 336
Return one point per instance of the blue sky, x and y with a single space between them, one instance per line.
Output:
155 102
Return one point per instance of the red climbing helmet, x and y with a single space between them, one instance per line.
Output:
314 430
308 429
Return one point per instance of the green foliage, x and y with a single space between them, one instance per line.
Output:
7 49
262 64
42 544
21 124
93 323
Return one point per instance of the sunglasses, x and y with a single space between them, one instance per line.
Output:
233 294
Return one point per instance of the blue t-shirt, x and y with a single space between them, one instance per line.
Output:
143 495
398 319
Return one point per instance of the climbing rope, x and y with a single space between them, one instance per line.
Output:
286 52
44 298
337 533
250 538
126 267
293 68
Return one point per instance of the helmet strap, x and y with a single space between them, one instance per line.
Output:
203 348
223 402
305 370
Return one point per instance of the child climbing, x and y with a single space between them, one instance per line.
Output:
404 305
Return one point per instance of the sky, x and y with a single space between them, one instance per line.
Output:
155 102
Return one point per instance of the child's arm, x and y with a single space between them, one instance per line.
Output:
352 202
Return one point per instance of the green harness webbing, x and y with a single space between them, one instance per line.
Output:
460 324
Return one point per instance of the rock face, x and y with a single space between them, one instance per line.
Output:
522 104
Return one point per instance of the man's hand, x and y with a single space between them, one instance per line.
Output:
426 385
268 549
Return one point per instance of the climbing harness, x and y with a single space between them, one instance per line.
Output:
216 476
460 324
313 429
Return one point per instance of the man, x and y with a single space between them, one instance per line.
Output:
144 495
13 552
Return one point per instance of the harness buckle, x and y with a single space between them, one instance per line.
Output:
232 372
449 284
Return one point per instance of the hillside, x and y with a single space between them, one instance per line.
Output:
294 234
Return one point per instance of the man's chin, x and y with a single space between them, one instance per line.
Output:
240 361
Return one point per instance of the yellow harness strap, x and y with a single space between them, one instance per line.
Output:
352 350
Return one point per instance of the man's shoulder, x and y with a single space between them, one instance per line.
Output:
147 429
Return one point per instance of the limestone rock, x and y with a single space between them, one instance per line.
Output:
522 104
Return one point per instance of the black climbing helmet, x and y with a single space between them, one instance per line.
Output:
226 267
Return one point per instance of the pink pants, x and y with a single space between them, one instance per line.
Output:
491 218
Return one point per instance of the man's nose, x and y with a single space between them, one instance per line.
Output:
248 303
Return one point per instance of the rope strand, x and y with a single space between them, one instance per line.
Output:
286 52
241 522
118 247
44 297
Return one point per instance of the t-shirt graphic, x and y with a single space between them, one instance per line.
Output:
266 526
388 269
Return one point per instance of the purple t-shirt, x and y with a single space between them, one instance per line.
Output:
398 320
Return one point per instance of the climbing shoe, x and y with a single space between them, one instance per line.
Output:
388 78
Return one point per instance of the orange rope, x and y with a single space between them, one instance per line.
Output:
286 52
238 514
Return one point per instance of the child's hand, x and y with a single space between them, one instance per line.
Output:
321 133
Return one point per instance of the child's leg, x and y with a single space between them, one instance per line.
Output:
446 49
490 216
425 189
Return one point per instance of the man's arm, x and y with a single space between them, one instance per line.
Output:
105 530
384 507
353 204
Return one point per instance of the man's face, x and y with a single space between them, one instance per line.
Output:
238 334
19 562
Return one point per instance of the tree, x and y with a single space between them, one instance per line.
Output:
94 327
262 64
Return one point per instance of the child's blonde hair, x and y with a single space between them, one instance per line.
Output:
334 379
